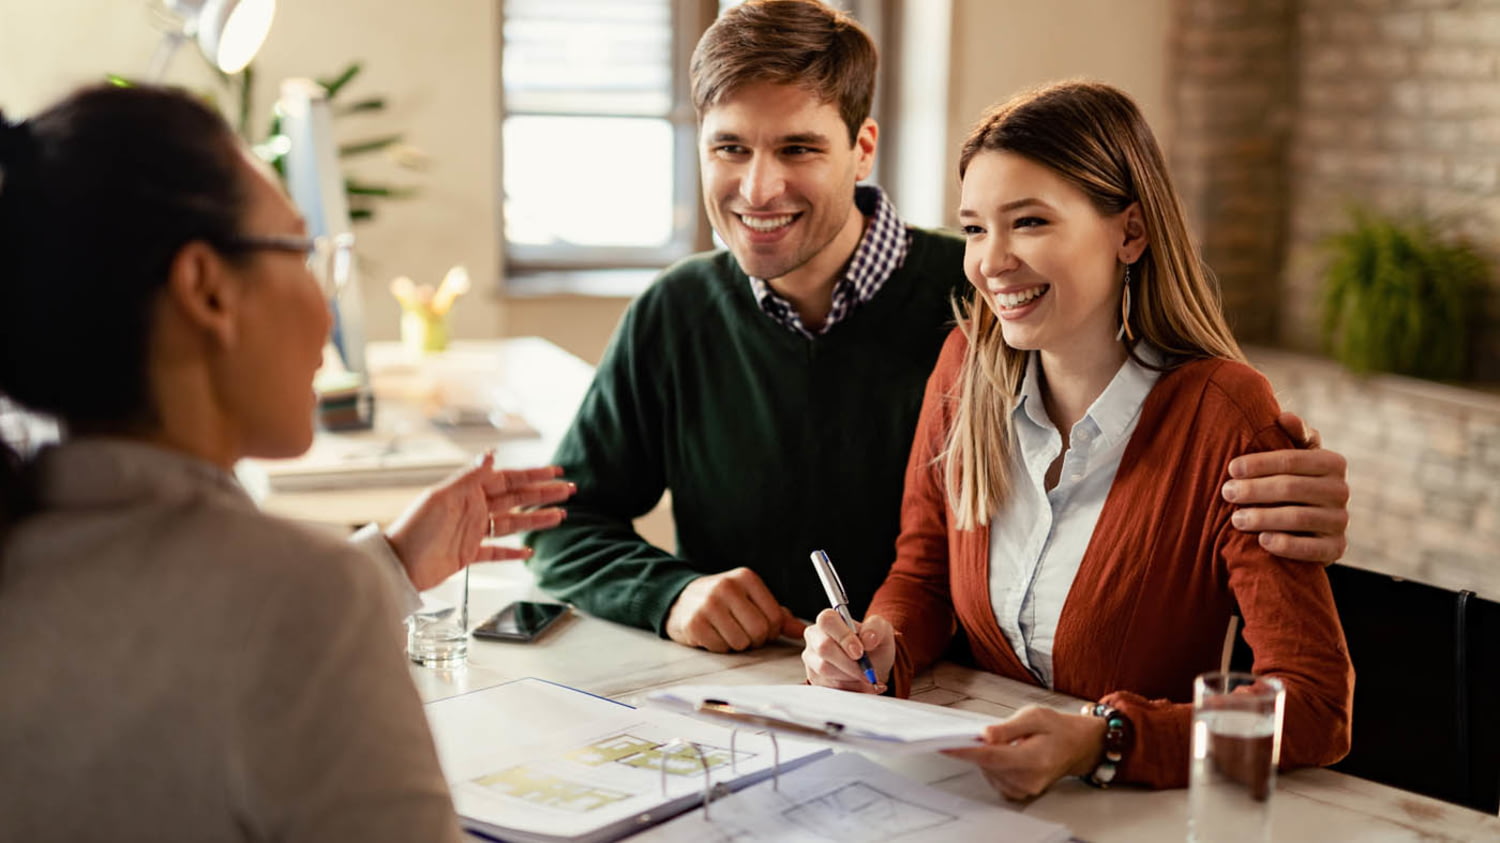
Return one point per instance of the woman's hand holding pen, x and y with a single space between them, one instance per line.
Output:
832 651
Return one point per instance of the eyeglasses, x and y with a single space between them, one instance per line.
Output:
329 258
269 242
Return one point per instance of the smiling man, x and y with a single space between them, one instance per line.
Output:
774 387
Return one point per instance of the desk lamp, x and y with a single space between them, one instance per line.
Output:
229 32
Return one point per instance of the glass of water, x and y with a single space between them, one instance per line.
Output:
1236 746
437 633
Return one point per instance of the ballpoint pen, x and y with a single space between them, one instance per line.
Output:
840 601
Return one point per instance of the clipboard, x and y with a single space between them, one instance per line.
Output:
724 710
805 712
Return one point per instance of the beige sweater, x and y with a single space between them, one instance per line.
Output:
175 665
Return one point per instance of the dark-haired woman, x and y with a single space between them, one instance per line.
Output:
175 665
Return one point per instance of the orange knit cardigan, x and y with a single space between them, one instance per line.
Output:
1156 586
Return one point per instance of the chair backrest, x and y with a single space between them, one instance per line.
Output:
1426 689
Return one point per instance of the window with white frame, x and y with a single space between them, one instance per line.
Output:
598 138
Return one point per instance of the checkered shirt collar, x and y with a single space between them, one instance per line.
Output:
880 253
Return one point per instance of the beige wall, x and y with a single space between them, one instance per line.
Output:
1003 46
437 62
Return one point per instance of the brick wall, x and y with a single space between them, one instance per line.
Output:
1424 468
1399 108
1288 112
1232 70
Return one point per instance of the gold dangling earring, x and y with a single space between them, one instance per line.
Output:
1125 332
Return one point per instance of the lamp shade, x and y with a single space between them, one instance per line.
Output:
229 32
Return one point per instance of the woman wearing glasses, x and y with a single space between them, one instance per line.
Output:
177 665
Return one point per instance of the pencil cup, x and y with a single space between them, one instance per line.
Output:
437 633
1236 745
423 331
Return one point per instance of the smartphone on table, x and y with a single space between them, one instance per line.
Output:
523 620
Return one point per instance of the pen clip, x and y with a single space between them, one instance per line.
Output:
720 708
829 575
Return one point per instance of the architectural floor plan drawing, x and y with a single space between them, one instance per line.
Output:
537 785
647 754
862 811
535 761
849 797
542 788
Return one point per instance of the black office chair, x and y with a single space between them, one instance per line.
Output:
1427 686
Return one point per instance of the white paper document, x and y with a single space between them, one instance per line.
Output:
362 458
534 761
861 721
850 798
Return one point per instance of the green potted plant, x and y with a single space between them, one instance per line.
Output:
362 195
1399 296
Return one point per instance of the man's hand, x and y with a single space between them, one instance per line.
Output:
1295 499
1035 747
445 528
729 612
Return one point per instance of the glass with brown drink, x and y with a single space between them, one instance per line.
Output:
1236 745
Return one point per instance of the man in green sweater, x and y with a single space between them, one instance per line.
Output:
774 387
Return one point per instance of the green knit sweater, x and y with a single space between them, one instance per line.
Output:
773 444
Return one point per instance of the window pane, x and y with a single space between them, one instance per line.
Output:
579 56
588 181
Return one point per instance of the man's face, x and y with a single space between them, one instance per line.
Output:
778 180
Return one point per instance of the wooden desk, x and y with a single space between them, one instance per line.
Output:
623 663
546 382
615 661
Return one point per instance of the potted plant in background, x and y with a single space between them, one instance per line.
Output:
1399 296
362 195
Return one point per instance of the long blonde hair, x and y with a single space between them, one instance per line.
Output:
1094 137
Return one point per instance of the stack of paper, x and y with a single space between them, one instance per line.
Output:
849 797
414 456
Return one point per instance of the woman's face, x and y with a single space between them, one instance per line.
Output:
1039 254
266 383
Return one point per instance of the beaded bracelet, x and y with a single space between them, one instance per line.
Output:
1118 736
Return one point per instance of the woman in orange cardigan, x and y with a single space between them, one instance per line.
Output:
1061 502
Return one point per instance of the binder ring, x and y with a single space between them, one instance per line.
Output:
708 789
734 757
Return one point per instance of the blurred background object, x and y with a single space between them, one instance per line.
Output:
229 32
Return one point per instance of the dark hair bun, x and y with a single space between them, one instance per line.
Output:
99 192
16 146
15 140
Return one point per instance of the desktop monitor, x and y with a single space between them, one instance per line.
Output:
316 185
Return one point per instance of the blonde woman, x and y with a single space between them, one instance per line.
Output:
1061 503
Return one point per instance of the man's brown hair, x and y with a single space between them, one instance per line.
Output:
787 42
